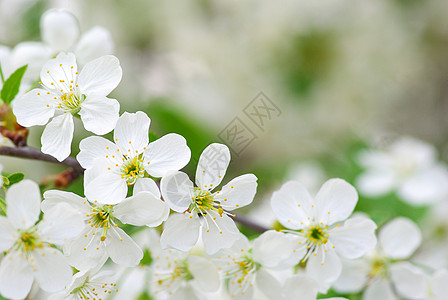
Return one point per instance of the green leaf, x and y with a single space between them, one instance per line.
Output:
5 180
12 85
16 177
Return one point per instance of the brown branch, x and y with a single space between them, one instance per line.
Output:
248 223
77 170
32 153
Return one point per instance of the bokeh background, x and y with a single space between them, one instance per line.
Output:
344 75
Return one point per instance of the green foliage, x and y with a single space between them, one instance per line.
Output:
13 178
12 85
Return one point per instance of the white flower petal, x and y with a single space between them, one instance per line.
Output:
146 185
426 187
60 223
122 249
212 165
399 238
94 43
355 238
180 231
8 234
379 289
327 273
16 276
272 248
52 269
108 188
299 287
63 67
100 76
168 153
131 131
354 276
99 114
242 290
23 204
177 191
94 147
33 108
59 29
33 54
409 281
269 285
184 292
239 192
440 285
142 209
335 201
86 250
55 197
205 274
218 232
292 205
376 182
57 137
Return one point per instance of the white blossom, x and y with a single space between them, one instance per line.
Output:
180 276
101 237
29 246
60 32
247 267
112 167
66 94
409 167
321 229
385 271
88 285
201 209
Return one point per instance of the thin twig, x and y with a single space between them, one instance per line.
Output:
32 153
248 223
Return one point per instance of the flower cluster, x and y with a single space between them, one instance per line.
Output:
81 245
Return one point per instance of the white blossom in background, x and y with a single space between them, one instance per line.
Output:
60 32
112 167
88 285
101 237
409 167
385 272
247 268
322 229
25 53
29 246
201 209
180 275
433 252
309 173
67 94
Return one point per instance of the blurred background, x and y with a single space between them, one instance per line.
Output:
308 83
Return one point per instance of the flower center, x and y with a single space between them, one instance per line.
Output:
180 272
70 102
92 290
317 235
101 217
202 201
132 169
245 266
378 267
29 241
